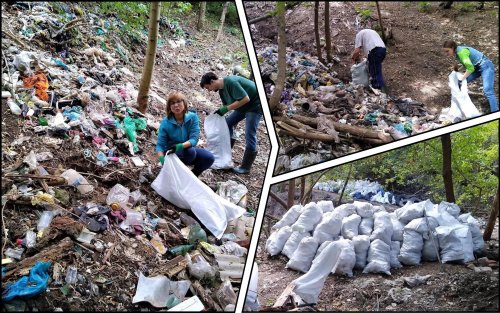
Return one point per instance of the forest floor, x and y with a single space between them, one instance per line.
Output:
114 269
457 288
414 66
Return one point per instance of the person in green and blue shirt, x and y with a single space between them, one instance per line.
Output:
239 95
179 133
476 64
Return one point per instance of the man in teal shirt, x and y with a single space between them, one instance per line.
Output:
476 64
239 95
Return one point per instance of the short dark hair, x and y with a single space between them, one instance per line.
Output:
207 79
450 44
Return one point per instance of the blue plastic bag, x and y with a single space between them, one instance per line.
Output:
29 286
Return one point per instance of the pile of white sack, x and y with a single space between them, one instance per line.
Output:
319 239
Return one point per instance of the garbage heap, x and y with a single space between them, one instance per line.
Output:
82 226
319 239
365 190
340 118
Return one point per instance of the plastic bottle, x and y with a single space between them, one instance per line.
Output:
179 250
196 234
45 220
29 241
71 275
14 108
76 179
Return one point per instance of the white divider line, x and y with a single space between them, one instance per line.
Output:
271 162
390 146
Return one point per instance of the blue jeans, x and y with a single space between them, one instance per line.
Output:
375 58
486 70
251 124
200 158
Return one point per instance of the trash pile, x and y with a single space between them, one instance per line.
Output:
82 226
341 118
319 239
366 190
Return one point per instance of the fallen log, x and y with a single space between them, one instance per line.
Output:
51 254
295 132
205 296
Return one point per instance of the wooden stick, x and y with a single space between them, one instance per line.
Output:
278 199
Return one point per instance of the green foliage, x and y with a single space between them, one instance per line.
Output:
214 11
406 4
175 8
133 14
465 6
424 6
364 13
418 168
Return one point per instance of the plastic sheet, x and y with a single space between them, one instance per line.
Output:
29 286
159 290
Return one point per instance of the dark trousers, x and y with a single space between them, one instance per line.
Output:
375 58
200 158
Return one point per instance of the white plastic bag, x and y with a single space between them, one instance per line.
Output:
350 226
441 215
345 210
218 141
328 228
420 225
347 258
359 73
411 250
477 236
450 244
366 226
290 217
303 255
361 245
449 207
395 248
277 240
465 237
382 227
429 252
412 211
293 242
310 217
363 209
177 184
397 228
309 285
326 206
378 258
461 104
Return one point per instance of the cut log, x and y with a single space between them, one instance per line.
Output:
204 295
52 253
295 132
325 125
284 296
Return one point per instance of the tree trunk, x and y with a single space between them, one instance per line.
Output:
222 18
316 30
201 15
328 40
149 62
302 186
280 81
447 173
291 192
493 217
313 182
380 22
446 4
278 199
345 185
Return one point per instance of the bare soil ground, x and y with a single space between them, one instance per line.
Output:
457 288
414 66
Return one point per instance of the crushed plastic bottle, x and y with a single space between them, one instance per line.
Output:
14 253
71 275
45 220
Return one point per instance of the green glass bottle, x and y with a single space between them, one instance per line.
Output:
42 121
179 250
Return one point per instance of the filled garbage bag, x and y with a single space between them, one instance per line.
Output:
461 104
360 74
397 228
328 228
350 226
361 245
218 141
429 252
310 217
379 258
303 255
177 184
382 227
277 240
347 258
411 250
290 217
477 236
28 286
309 285
326 206
293 242
395 248
366 226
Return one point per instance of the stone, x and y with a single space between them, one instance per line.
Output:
340 93
482 269
483 261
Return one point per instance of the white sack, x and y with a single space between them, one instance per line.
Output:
293 242
412 211
378 258
350 225
277 240
328 228
395 248
326 206
322 246
345 210
309 285
177 184
397 228
361 245
449 207
477 236
411 250
429 251
363 209
450 244
310 217
360 74
366 226
461 104
303 255
465 237
441 215
289 218
420 226
382 227
347 258
218 141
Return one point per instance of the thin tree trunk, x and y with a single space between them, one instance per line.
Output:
380 21
222 18
280 81
447 172
313 182
302 186
291 192
493 217
149 62
316 31
278 199
328 40
345 185
201 16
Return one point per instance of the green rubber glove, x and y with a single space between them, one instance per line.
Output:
162 159
222 110
175 148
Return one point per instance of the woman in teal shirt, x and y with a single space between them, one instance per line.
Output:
476 64
179 133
